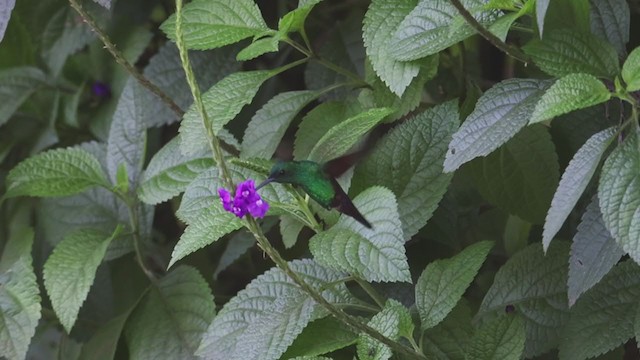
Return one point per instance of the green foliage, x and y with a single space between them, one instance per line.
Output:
500 338
610 20
631 71
16 85
394 321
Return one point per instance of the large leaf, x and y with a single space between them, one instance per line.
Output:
169 172
631 70
393 322
19 296
520 176
321 337
70 270
268 125
572 92
534 284
565 52
375 254
380 22
574 181
6 6
604 317
57 172
209 24
443 282
236 331
414 152
593 253
343 136
619 193
499 114
433 26
610 20
500 338
449 339
16 85
172 318
222 103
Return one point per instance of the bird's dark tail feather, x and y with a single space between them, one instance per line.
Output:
343 203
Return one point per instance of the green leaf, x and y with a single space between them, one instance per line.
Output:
499 114
535 285
574 181
16 86
375 254
500 338
209 226
565 52
414 152
343 136
449 339
64 35
70 270
593 253
169 172
57 172
222 103
5 14
19 296
631 70
237 246
172 318
209 24
610 20
619 193
502 25
393 322
290 228
317 123
236 332
572 92
258 48
321 337
604 317
520 176
268 125
443 283
105 340
294 20
541 13
432 27
380 23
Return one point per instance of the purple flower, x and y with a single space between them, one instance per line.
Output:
101 89
246 200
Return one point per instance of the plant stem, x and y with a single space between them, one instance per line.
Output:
494 40
117 55
373 294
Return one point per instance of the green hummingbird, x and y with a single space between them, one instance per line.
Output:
319 181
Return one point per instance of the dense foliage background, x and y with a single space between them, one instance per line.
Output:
501 175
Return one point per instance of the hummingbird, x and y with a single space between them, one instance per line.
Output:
319 181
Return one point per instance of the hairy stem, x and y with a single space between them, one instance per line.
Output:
485 33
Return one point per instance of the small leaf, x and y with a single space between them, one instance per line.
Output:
6 6
343 136
564 52
321 337
172 318
19 296
443 283
222 103
500 338
268 125
619 194
432 27
380 23
258 48
209 24
57 172
593 253
169 172
237 246
236 332
610 20
449 339
210 226
294 20
105 340
393 322
375 254
290 229
70 270
574 181
541 12
502 25
16 86
572 92
631 70
499 114
604 317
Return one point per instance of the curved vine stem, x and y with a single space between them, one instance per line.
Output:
510 50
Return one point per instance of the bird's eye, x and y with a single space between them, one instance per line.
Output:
281 172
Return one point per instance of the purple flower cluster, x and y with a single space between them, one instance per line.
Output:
246 200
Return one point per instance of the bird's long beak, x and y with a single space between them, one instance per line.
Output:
264 183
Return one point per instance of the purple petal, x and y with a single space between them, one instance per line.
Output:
225 198
258 208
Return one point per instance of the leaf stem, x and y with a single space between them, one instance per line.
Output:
373 294
485 33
